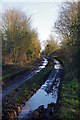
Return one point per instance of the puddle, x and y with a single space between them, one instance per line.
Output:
46 94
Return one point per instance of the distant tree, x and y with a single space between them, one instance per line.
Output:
50 46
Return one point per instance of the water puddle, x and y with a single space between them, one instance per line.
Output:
44 63
46 94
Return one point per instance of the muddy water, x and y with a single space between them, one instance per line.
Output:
46 94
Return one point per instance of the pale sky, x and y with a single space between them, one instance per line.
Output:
44 13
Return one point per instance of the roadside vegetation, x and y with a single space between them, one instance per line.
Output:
68 26
69 100
20 44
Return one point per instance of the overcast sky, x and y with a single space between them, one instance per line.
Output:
44 13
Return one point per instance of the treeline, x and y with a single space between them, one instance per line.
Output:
20 43
68 27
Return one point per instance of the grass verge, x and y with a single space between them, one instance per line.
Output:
14 73
69 99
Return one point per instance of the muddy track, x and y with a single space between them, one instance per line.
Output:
22 79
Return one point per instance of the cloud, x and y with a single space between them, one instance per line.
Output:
35 11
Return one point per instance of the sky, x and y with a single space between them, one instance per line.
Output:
44 14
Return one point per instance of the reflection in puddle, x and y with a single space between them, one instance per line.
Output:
42 66
46 94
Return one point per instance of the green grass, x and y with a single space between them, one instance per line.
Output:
9 71
9 75
13 73
69 97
